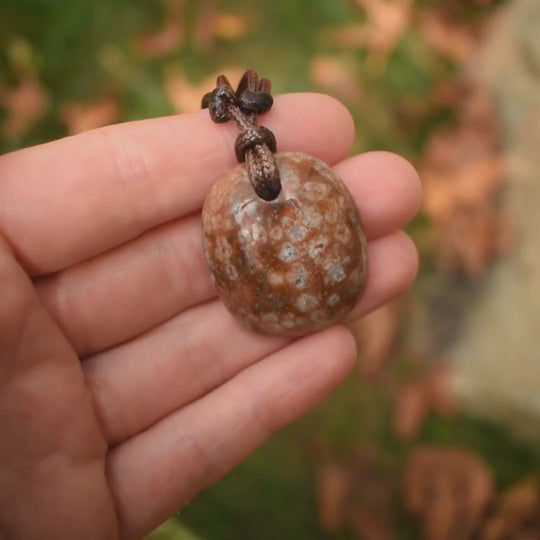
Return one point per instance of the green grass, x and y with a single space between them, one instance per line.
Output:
272 494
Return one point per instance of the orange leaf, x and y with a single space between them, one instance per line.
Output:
211 23
25 106
448 489
517 512
445 36
336 75
463 175
376 334
166 39
231 27
80 117
332 490
430 392
368 524
387 20
439 390
185 95
411 409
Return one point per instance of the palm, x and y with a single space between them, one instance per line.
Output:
126 386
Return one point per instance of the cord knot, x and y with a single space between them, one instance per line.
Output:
252 136
256 144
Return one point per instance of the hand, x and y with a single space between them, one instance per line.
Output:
125 386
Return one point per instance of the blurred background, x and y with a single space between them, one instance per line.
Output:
436 434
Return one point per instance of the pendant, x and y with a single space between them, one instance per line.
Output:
281 232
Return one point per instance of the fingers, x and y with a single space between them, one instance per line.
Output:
392 271
196 445
136 384
386 189
122 293
66 201
139 382
118 295
50 438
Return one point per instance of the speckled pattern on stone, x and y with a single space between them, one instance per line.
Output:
292 265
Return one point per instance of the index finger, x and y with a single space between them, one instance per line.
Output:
65 201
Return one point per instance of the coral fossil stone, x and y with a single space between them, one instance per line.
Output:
292 265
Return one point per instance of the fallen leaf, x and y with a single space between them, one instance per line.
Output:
185 95
231 26
205 23
376 334
458 5
79 117
411 410
448 489
347 36
338 76
417 398
517 513
386 22
446 36
25 105
211 23
438 383
448 93
463 174
371 501
168 38
368 523
351 495
333 487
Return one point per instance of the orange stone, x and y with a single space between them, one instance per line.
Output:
289 266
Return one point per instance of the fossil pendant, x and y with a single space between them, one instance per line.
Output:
290 263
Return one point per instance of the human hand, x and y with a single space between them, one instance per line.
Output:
125 385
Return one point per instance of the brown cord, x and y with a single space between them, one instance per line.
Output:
256 144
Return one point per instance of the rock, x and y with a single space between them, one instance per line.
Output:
497 357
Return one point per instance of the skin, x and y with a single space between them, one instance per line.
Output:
125 386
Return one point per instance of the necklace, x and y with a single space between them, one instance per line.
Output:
281 232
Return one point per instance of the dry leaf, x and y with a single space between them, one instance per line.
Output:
337 76
211 23
445 36
457 5
80 117
231 27
517 513
369 524
347 36
416 399
463 176
376 334
439 390
25 106
386 22
205 23
185 95
169 37
448 489
350 495
411 410
333 487
448 94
